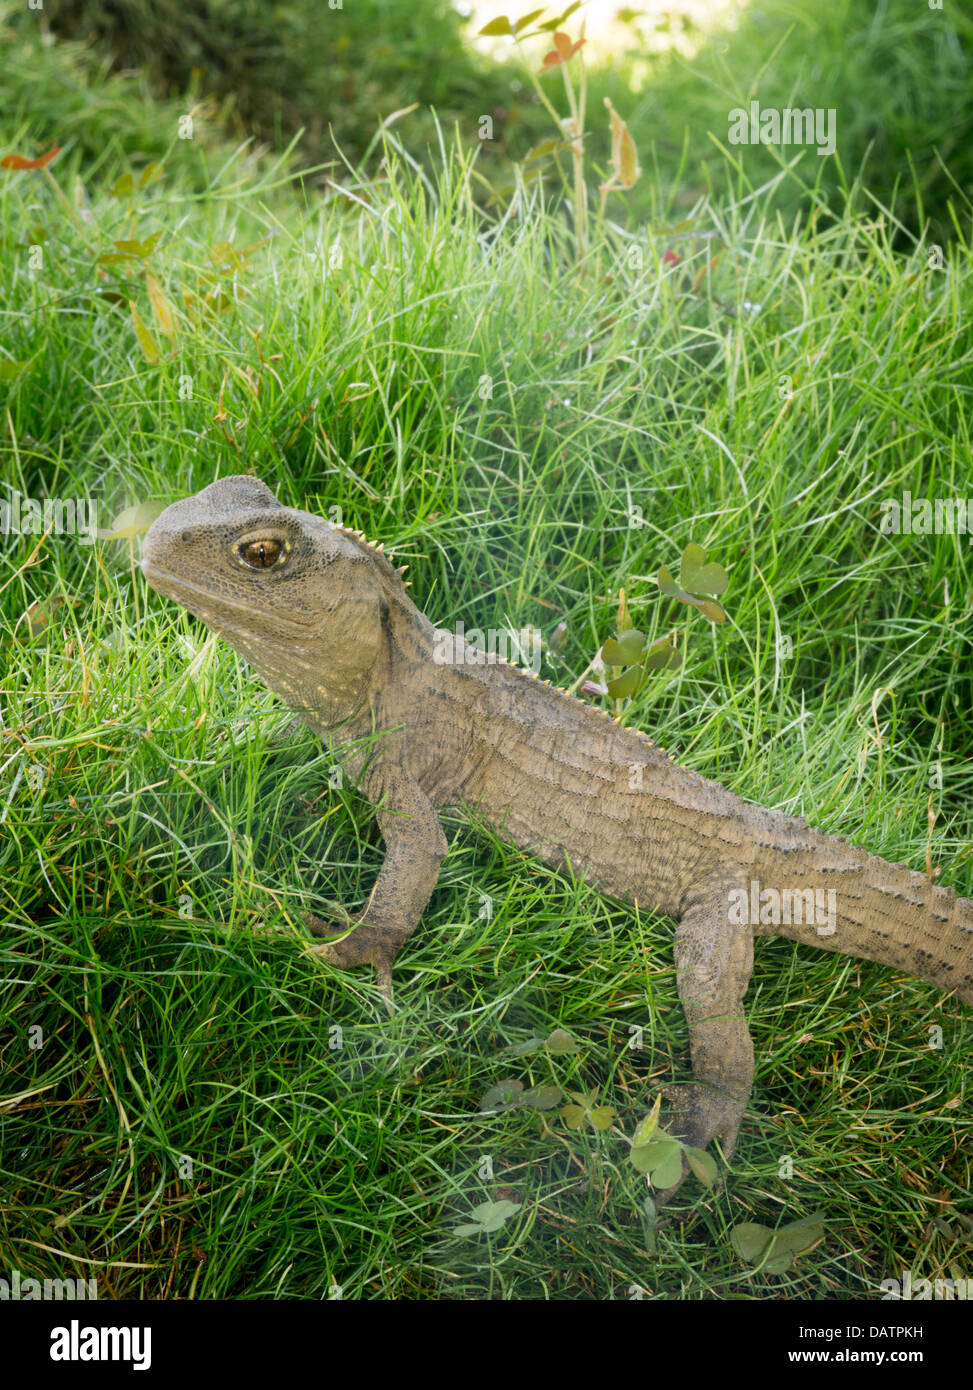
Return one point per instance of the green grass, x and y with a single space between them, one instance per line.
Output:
465 392
277 69
65 94
898 75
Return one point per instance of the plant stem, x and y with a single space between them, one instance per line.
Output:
577 154
536 85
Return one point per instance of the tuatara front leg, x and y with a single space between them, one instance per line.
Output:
714 959
414 849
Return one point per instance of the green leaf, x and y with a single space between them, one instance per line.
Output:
703 1165
677 228
486 1211
559 638
641 1161
10 369
573 1116
817 1218
122 187
500 25
699 577
693 559
669 587
669 1171
624 156
777 1263
751 1241
487 1217
711 610
542 150
218 303
247 251
624 649
149 174
647 1127
626 684
492 1215
491 1224
523 1049
146 342
774 1251
504 1096
602 1117
662 655
560 1042
528 176
161 307
551 24
656 1154
542 1097
524 20
133 521
226 257
798 1236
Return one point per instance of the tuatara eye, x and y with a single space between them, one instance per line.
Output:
261 555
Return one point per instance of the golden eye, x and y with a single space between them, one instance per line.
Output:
261 555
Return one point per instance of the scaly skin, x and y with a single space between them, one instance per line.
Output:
325 620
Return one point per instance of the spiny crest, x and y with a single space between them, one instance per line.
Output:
592 710
376 553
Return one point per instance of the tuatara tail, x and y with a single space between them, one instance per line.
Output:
864 906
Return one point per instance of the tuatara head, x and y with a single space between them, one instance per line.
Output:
302 600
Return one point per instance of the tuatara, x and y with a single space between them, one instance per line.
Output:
431 722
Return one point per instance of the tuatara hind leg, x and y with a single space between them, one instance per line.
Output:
714 958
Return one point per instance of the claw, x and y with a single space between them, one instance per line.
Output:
365 945
698 1114
342 920
384 971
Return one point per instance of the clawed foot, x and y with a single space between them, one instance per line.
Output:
697 1115
367 945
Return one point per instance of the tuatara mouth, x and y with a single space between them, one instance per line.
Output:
211 602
